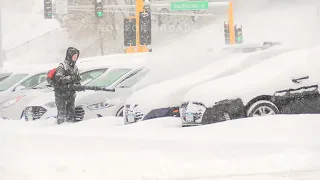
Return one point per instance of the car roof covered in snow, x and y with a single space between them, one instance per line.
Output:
116 60
249 45
31 68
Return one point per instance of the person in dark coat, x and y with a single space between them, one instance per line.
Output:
67 74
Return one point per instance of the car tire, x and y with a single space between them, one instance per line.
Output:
120 112
262 108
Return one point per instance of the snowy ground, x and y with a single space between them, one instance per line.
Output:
278 148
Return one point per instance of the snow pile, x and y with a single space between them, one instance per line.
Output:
253 148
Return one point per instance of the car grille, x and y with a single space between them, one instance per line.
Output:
137 114
79 112
34 112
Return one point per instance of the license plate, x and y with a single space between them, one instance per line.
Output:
189 117
131 118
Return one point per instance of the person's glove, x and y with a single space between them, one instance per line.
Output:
68 78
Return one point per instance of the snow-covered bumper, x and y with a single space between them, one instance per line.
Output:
12 109
133 113
196 113
82 112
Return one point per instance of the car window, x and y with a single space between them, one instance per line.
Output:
3 78
11 80
132 79
109 77
34 80
90 75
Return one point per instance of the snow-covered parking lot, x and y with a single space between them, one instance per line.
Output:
281 147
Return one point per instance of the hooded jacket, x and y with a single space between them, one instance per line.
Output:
67 72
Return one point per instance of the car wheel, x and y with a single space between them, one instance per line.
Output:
262 108
120 112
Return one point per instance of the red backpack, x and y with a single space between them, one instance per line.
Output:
51 76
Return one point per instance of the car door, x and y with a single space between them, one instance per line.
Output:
302 97
32 81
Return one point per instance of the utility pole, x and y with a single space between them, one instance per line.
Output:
101 38
1 50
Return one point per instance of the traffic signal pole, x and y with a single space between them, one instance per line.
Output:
1 51
231 23
139 8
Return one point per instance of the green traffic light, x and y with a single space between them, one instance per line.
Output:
99 14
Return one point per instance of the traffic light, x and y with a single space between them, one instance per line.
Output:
129 31
47 9
145 26
98 8
226 33
238 34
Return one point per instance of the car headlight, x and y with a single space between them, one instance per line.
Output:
51 104
101 105
10 102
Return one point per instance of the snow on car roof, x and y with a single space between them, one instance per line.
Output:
117 60
275 70
31 68
250 45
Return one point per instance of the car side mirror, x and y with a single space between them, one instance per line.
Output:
299 79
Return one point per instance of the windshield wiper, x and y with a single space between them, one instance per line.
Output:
36 88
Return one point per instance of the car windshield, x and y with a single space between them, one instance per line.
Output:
109 77
133 79
11 80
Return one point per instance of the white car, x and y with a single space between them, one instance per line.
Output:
90 104
163 99
13 103
25 77
44 107
287 83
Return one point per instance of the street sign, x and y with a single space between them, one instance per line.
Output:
61 6
189 5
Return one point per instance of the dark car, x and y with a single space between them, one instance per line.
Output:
285 84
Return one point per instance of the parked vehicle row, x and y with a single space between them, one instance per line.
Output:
164 99
253 80
276 80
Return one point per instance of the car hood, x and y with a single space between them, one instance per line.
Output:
30 92
171 93
42 98
91 97
264 79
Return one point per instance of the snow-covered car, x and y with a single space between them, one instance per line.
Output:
164 99
13 103
287 84
25 77
90 105
44 107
